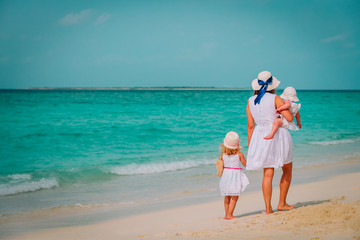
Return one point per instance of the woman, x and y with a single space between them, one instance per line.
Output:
273 153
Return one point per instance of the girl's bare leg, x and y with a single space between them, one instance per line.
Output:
276 124
232 205
284 187
267 188
227 204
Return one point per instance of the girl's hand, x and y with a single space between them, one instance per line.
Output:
299 124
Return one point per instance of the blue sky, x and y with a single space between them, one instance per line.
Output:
153 43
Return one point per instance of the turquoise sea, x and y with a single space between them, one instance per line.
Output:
90 148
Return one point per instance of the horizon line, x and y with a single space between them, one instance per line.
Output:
166 88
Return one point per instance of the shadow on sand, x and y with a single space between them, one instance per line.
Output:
298 205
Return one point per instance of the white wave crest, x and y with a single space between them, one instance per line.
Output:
8 189
335 142
138 169
20 176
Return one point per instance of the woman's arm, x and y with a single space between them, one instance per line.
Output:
286 106
286 113
242 159
251 123
298 120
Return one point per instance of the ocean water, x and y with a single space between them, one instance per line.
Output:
95 148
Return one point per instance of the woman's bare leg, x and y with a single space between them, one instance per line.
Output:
284 187
276 124
267 188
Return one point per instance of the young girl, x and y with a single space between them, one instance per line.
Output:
233 181
289 97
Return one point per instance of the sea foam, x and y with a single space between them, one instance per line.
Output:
20 177
335 142
138 169
28 186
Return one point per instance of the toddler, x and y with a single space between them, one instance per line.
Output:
289 96
233 181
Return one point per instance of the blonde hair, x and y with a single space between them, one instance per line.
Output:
229 151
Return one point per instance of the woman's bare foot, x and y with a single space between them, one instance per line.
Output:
269 211
285 207
231 217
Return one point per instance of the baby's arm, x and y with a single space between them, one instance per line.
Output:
242 159
286 106
298 120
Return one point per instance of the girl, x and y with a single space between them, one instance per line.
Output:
233 181
289 97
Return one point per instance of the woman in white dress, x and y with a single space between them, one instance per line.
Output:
273 153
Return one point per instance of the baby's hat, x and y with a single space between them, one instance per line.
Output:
289 94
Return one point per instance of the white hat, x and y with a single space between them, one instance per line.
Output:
289 94
232 140
264 76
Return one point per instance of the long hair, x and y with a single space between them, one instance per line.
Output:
228 151
256 92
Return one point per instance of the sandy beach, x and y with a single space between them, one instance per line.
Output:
325 209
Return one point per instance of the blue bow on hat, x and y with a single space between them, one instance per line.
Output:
264 86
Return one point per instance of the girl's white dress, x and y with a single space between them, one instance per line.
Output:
294 108
272 153
233 181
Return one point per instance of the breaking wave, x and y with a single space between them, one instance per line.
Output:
335 142
26 186
150 168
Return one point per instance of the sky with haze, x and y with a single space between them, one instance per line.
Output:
197 43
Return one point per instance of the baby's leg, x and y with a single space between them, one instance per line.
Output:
276 124
232 205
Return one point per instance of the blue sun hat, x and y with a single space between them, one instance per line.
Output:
264 82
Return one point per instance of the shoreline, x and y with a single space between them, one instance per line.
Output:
205 189
184 221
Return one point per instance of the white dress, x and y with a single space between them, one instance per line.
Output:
272 153
233 181
294 108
